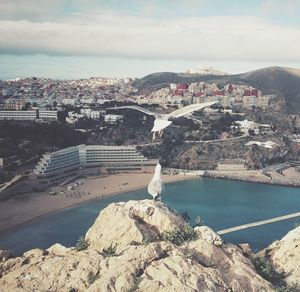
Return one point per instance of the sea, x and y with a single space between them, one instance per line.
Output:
220 203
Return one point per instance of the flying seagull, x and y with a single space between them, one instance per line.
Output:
267 144
162 120
156 186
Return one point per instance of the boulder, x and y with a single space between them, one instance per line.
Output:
206 233
135 221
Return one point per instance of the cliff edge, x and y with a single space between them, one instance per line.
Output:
284 257
136 246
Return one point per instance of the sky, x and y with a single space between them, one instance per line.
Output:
69 39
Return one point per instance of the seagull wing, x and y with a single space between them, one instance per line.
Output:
160 124
134 107
188 109
253 143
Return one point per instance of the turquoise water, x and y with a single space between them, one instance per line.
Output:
220 203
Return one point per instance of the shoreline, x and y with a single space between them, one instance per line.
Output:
290 177
11 220
20 211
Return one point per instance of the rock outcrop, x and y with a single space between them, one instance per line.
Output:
284 255
133 222
126 252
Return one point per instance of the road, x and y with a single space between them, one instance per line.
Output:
258 223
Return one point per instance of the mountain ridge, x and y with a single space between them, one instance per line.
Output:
281 81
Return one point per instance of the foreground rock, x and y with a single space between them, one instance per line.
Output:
135 221
284 255
125 253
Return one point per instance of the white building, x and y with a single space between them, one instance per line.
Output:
173 86
102 101
88 100
18 115
97 114
112 119
71 101
245 125
47 115
78 160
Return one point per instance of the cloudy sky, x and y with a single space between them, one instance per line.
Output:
82 38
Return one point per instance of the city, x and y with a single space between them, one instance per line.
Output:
149 146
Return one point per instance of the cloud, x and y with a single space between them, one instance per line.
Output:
118 35
287 7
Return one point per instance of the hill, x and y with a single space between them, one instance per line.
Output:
284 82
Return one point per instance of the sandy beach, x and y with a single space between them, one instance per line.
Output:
25 208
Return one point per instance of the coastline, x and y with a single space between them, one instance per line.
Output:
24 209
290 177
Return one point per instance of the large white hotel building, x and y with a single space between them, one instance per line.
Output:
31 115
58 166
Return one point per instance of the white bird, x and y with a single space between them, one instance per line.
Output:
156 186
267 144
162 120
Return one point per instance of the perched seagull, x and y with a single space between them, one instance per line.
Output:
162 120
267 144
156 186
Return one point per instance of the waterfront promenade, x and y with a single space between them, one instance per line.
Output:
258 223
289 177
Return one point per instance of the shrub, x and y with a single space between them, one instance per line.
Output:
110 251
186 217
91 278
178 236
135 285
265 269
146 240
81 244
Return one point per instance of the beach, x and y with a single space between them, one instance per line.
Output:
25 208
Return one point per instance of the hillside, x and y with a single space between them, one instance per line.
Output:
285 82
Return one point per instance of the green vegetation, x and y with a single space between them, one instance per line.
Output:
91 278
186 217
147 239
110 251
293 288
266 270
178 236
135 285
26 262
53 134
81 244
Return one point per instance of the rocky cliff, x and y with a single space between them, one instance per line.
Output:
284 256
136 246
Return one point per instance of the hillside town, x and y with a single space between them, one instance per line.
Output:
38 98
85 110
